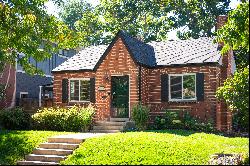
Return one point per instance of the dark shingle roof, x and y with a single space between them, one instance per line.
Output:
165 53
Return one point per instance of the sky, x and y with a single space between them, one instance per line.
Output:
52 9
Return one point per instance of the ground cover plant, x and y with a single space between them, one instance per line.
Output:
163 147
14 145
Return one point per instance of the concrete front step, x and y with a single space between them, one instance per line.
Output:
105 131
59 152
65 146
107 123
46 158
107 127
65 140
119 119
36 163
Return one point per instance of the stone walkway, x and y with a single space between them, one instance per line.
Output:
56 149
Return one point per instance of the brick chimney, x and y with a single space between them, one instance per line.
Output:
220 21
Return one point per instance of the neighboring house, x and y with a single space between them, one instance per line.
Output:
23 86
176 75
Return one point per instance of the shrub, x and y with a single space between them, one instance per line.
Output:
235 92
14 119
192 123
63 119
140 115
173 120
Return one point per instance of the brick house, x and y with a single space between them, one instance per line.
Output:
180 75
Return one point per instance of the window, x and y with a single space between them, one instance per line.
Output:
23 95
80 90
182 87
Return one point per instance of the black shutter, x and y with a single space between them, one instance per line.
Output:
64 90
200 86
164 87
92 90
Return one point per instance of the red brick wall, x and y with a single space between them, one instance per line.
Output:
8 77
201 109
117 62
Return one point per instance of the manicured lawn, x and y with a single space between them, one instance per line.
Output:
15 144
168 147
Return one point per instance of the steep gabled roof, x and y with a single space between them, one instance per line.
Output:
153 54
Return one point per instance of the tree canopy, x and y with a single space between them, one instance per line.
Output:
25 27
149 20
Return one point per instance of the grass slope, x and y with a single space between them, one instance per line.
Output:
14 145
169 147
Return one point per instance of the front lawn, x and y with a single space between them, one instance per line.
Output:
15 144
168 147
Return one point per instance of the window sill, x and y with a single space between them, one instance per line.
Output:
183 101
79 101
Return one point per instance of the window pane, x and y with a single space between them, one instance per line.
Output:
85 90
176 87
74 90
188 86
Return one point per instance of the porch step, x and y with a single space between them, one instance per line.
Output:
59 152
119 119
105 127
65 140
107 123
46 158
105 131
65 146
36 163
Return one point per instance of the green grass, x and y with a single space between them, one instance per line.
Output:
165 147
14 145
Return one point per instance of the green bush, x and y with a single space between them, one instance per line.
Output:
63 119
172 120
235 92
14 119
140 115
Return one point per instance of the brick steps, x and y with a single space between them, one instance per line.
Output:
36 163
113 126
52 152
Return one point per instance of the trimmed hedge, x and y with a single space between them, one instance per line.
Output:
14 119
63 119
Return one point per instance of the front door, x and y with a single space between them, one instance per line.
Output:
120 96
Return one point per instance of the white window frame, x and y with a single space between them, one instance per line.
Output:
78 79
169 89
23 93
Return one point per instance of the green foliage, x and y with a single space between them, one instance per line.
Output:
140 115
63 119
72 11
171 147
2 91
14 145
235 33
235 92
173 120
19 17
197 17
14 119
147 19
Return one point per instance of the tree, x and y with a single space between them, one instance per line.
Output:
72 11
197 17
26 28
149 20
235 35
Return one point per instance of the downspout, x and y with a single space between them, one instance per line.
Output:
139 79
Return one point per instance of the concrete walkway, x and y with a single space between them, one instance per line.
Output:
57 149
